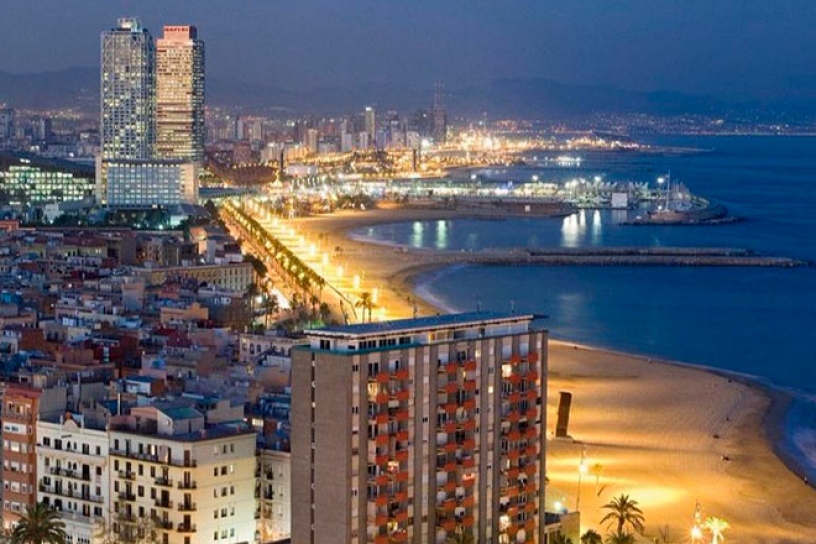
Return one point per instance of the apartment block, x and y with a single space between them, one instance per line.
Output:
419 430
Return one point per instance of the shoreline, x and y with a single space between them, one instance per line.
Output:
734 437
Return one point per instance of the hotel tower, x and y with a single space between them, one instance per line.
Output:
421 429
180 94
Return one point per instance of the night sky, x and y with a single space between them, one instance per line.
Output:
720 47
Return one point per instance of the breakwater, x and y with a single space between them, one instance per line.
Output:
624 256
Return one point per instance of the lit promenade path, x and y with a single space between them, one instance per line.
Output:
347 285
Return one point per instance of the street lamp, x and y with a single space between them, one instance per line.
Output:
582 469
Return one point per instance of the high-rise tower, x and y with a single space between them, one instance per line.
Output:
128 126
439 117
180 94
420 429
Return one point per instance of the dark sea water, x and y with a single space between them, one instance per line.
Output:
756 321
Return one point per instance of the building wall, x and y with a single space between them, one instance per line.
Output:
20 408
414 443
199 491
274 499
73 476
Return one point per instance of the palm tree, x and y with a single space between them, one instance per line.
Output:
620 538
40 524
591 537
624 511
366 302
271 307
560 538
717 526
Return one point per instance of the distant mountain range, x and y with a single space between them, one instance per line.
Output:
531 98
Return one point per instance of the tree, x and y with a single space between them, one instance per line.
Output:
717 526
366 303
620 538
560 538
591 537
624 511
270 307
40 524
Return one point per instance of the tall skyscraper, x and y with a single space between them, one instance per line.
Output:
420 429
180 128
128 122
439 117
132 172
370 121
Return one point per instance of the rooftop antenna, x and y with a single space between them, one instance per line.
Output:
512 306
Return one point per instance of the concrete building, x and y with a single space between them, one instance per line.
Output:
414 430
7 131
180 130
195 483
128 128
22 406
138 184
233 277
73 475
370 122
27 179
274 511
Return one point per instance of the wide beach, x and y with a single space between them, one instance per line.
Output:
668 435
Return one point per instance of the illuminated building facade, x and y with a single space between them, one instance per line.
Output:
180 128
138 184
419 429
128 129
30 179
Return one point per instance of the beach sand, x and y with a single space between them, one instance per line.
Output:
666 434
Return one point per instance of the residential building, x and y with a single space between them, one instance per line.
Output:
147 183
195 483
274 510
180 128
73 475
418 429
370 122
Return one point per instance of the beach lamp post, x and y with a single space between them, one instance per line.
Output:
582 469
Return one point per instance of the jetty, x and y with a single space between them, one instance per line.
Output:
623 256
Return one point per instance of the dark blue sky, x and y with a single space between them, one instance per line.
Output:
721 47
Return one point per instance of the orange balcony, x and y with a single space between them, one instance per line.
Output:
401 496
382 480
532 413
402 374
514 397
381 460
512 473
450 467
530 487
401 415
532 375
469 404
381 519
468 501
530 470
450 486
512 491
470 385
469 462
383 377
469 444
402 455
514 379
381 539
469 482
452 367
530 525
532 395
470 365
400 536
451 387
403 395
449 525
450 427
381 500
515 359
402 435
513 435
469 425
402 476
448 505
467 521
382 439
514 416
531 450
381 418
381 398
451 407
450 447
401 516
513 455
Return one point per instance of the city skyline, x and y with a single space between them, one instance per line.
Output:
694 47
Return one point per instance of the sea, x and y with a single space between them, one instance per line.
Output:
756 322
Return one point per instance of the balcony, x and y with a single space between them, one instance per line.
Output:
163 482
187 507
186 528
126 496
163 503
191 484
164 524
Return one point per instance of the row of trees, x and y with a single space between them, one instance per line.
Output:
626 517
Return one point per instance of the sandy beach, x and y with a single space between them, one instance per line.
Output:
666 434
